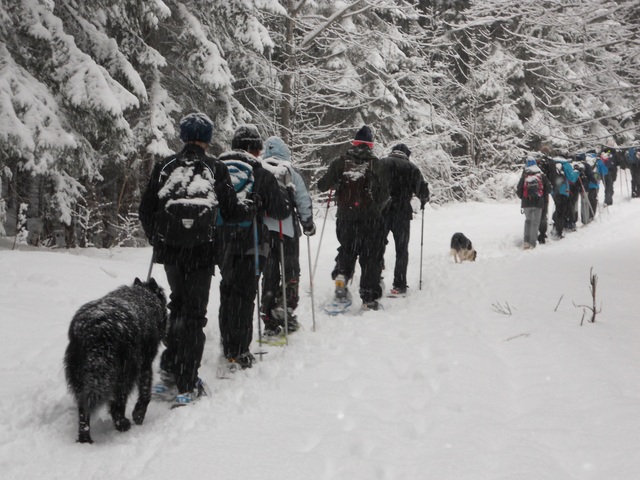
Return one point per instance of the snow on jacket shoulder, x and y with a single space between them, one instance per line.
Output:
380 183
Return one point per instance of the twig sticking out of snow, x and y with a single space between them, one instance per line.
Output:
503 309
593 281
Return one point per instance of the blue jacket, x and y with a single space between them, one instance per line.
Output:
570 177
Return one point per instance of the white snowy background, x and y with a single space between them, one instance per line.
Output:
438 385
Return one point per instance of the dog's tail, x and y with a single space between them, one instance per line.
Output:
89 376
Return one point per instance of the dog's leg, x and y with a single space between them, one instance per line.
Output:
144 394
117 409
84 421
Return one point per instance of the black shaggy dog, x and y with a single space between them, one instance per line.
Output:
112 344
462 248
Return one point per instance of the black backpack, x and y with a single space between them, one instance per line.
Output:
188 203
354 189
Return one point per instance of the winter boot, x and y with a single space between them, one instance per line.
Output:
271 327
341 288
187 398
374 305
165 390
244 361
398 290
277 314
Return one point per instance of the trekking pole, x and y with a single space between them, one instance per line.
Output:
324 222
421 248
150 266
284 285
257 271
313 312
584 192
626 183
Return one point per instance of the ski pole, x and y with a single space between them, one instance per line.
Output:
313 312
150 266
324 222
626 183
584 192
257 272
421 248
284 285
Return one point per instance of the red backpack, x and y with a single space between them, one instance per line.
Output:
533 188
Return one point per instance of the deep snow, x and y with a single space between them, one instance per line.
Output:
439 385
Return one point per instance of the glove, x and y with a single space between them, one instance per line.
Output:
255 203
309 228
423 201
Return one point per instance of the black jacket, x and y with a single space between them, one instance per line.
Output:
201 256
379 183
405 181
271 200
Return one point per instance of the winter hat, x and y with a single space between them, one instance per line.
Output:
275 147
531 162
196 127
364 136
246 137
401 147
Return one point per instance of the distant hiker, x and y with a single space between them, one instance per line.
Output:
178 209
405 181
362 193
277 159
632 161
592 169
562 178
239 282
532 189
610 159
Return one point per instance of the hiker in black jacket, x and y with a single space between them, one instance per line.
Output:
239 283
405 181
189 255
361 192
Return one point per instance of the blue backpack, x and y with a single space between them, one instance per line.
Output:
241 175
632 156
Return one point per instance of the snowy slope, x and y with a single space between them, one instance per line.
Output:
439 385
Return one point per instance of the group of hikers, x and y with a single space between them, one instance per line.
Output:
573 182
244 212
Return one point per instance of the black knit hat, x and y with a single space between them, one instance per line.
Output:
196 127
247 138
365 134
401 147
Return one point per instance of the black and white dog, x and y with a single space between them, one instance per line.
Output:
462 248
113 342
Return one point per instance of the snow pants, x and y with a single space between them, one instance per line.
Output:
272 282
401 229
609 180
544 221
561 213
238 288
361 239
532 216
635 180
185 336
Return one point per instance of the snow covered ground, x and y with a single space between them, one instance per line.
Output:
439 385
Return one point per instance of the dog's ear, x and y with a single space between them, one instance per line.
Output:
152 283
137 282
